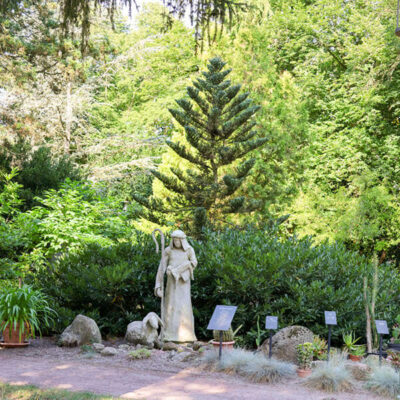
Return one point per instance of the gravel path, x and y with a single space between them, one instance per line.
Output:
47 366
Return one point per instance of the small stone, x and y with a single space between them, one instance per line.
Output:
98 347
124 347
138 346
180 357
109 351
172 354
169 346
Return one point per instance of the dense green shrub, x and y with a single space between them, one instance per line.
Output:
253 269
39 170
114 284
292 278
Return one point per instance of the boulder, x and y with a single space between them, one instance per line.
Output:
83 330
109 351
285 341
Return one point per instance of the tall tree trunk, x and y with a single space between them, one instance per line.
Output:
68 120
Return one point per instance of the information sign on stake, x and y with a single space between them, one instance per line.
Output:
221 321
330 320
382 329
222 318
271 323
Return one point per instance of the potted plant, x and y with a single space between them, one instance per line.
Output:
227 338
22 312
320 348
305 353
394 343
356 353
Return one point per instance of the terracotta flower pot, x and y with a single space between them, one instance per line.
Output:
225 345
14 338
352 357
303 373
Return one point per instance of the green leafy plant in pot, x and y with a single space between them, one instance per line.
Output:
305 354
320 348
23 311
228 338
355 352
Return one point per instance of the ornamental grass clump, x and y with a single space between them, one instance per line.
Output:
232 361
384 381
331 376
267 370
255 367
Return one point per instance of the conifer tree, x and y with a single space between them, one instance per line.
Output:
218 124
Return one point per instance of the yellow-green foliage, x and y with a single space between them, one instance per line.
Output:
139 354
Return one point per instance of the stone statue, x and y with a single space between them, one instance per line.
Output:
178 262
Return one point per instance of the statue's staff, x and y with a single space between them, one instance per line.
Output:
163 272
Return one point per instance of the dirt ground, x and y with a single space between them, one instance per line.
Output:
159 378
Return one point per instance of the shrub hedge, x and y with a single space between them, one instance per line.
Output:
256 270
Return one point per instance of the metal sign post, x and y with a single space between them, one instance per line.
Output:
382 329
271 323
221 321
330 320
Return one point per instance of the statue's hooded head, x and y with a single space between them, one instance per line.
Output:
182 237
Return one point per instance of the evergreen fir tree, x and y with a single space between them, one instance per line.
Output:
218 125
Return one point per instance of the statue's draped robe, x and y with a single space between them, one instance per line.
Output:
178 313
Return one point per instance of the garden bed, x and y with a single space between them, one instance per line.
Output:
159 377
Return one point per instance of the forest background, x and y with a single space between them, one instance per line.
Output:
80 132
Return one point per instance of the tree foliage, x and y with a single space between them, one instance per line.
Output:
218 125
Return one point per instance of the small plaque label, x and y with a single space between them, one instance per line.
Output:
271 322
381 327
330 318
222 318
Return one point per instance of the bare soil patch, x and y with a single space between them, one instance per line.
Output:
158 378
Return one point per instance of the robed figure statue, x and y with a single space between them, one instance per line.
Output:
178 261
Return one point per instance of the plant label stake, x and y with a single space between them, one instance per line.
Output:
382 329
330 319
221 321
153 234
271 323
